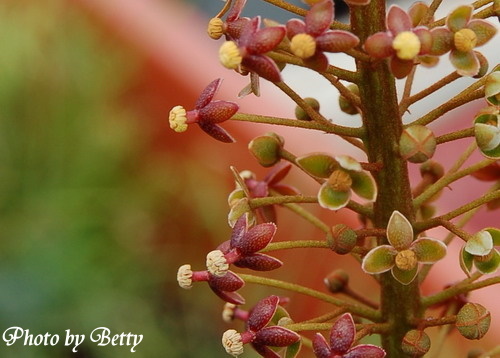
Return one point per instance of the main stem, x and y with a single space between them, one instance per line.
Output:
383 126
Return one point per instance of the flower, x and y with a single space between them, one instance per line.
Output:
310 39
461 35
480 251
487 131
402 255
224 287
249 48
233 25
257 334
207 114
402 42
342 337
242 248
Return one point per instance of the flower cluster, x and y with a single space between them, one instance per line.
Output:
480 251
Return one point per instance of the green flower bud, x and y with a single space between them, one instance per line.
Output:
301 114
417 144
473 321
345 105
416 343
336 281
343 239
266 149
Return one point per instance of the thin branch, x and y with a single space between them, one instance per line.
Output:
296 244
464 133
407 91
431 11
307 215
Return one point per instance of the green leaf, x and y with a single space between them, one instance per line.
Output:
490 265
380 259
466 63
404 276
364 185
466 261
480 244
399 231
428 250
332 199
318 164
459 17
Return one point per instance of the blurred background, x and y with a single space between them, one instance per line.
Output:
100 202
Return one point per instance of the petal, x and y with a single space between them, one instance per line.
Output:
466 261
379 259
480 244
401 68
342 334
262 312
320 347
417 12
459 17
495 235
259 262
276 336
293 350
348 163
365 351
442 41
336 41
239 229
425 37
332 199
235 11
317 62
231 297
265 352
208 93
266 39
267 214
483 30
256 238
216 132
277 173
379 45
490 265
218 111
318 164
263 66
487 137
398 20
249 30
428 250
230 282
492 88
399 231
294 27
235 28
466 63
364 185
319 18
404 276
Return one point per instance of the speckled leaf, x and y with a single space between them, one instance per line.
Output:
428 250
405 277
318 164
332 199
364 185
399 231
380 259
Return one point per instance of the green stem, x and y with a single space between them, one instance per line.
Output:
297 244
463 133
365 312
307 215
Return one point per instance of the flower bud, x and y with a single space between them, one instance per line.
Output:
343 239
336 281
432 168
407 45
266 149
417 144
215 28
345 105
473 321
416 343
300 114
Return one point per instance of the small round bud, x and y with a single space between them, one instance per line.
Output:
483 64
229 55
177 119
473 321
407 45
300 114
232 342
465 40
406 260
432 168
340 180
343 239
216 263
417 144
185 276
336 281
303 45
215 28
266 149
416 343
345 105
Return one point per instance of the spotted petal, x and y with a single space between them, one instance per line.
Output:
217 132
379 45
256 238
263 66
266 39
208 93
399 231
319 18
404 276
380 259
459 17
259 262
262 312
342 334
332 199
276 336
428 250
365 351
398 20
320 346
336 41
483 29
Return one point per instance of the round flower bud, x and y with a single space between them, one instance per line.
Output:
465 40
301 114
417 144
406 260
416 343
266 149
407 45
215 28
303 45
345 105
483 65
336 281
473 321
229 55
343 239
433 169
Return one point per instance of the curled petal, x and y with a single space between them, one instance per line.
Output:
230 282
231 297
276 336
266 39
342 334
216 132
235 11
399 231
405 277
379 45
263 66
249 30
428 250
364 185
218 111
262 313
336 41
398 20
365 351
380 259
208 93
320 346
256 238
466 63
259 262
466 261
318 164
459 17
277 174
319 18
294 27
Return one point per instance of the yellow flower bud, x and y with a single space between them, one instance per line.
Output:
303 45
406 260
229 55
177 119
407 45
465 40
215 28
